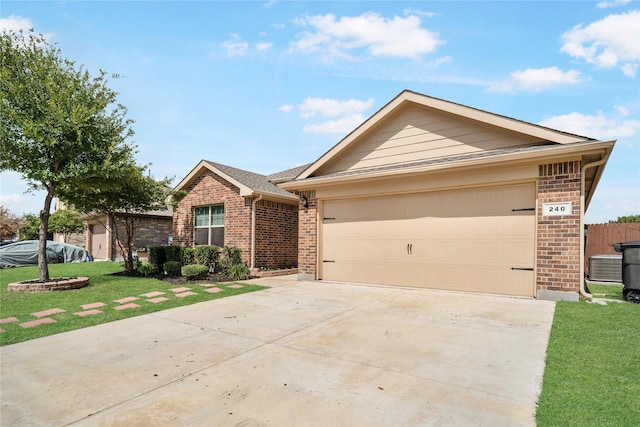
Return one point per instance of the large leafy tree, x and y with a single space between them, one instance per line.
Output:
65 222
124 196
625 219
29 228
59 126
9 224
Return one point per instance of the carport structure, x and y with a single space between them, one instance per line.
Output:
434 194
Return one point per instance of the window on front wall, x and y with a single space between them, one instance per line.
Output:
209 225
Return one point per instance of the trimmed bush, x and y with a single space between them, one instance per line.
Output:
239 272
188 256
206 255
157 256
173 268
195 271
173 253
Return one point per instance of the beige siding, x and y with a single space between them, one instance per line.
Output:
468 239
416 134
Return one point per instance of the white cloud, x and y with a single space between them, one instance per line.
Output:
613 3
11 199
235 47
397 37
17 23
262 46
343 125
418 12
332 107
607 43
344 115
537 79
594 126
623 111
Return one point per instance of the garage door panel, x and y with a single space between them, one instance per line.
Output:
469 239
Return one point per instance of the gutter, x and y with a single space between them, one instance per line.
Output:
253 230
603 159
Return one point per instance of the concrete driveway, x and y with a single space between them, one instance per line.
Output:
298 354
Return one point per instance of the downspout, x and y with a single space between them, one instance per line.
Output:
602 160
253 230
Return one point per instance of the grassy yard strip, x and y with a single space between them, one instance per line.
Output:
607 291
103 287
592 376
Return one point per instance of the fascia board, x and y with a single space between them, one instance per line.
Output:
537 155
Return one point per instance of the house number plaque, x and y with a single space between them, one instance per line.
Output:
556 209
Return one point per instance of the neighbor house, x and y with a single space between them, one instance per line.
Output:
152 228
430 193
226 206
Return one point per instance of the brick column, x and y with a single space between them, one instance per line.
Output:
558 251
308 237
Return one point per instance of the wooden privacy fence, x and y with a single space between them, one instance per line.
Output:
600 237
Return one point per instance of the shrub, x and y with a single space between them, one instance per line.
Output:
239 272
195 271
145 268
207 256
173 253
188 256
172 268
157 256
231 256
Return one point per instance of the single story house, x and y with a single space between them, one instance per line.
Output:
435 194
226 206
153 228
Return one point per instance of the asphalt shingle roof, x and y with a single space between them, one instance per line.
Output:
254 181
288 174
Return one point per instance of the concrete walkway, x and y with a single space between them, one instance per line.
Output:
300 353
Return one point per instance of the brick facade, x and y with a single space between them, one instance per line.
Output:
277 228
308 236
149 231
558 237
276 223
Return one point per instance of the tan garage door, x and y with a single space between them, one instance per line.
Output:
479 239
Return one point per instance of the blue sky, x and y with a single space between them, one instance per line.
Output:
266 86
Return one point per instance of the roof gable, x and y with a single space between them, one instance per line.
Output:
414 127
249 183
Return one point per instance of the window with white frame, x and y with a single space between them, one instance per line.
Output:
209 225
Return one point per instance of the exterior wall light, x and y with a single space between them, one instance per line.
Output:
305 202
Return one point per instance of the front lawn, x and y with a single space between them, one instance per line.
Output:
104 287
592 377
607 291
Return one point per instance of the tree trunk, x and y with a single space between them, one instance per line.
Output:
126 247
43 267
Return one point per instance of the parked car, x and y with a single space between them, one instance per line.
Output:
26 253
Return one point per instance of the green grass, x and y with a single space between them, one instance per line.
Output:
103 287
607 291
592 377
